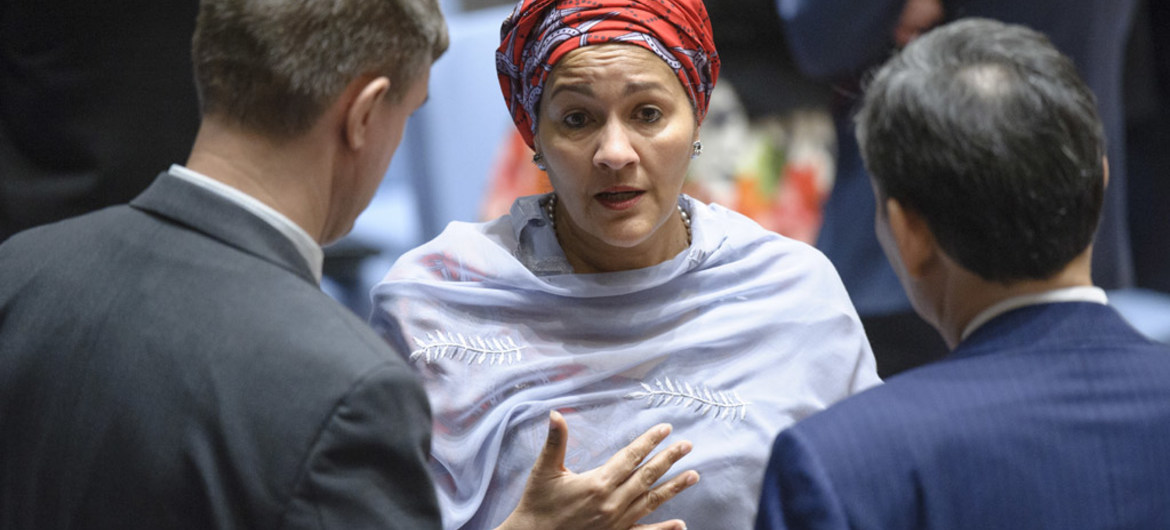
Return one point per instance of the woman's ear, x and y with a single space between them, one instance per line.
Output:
361 110
917 248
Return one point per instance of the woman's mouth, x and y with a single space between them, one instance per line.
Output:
619 200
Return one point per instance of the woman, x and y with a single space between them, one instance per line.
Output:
616 300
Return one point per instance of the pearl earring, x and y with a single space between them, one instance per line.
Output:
538 159
696 149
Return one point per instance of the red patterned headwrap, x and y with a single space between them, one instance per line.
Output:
539 33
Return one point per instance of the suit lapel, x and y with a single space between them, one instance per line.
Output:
220 219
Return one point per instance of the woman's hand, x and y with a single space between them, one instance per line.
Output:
613 496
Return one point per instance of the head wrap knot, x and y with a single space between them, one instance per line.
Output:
539 33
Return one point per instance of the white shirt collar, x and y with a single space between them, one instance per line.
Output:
304 243
1069 294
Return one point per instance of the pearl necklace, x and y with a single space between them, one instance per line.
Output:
550 207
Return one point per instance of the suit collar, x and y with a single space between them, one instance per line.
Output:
1080 293
219 218
301 240
1087 323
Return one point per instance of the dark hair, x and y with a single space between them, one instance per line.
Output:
275 66
988 132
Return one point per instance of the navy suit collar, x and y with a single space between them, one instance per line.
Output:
1088 322
206 212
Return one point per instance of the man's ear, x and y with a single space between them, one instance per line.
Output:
1105 168
917 247
361 111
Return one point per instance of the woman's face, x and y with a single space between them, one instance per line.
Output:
615 129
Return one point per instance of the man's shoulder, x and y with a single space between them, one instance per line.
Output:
66 251
993 386
78 228
903 412
296 317
1042 333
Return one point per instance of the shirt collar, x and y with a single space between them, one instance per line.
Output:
304 243
1069 294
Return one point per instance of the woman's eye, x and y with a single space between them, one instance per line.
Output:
576 120
649 114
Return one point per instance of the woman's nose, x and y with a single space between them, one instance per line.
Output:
614 150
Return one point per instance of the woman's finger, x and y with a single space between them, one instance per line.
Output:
623 463
673 524
651 500
552 457
644 478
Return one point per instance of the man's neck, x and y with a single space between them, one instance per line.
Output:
968 295
291 177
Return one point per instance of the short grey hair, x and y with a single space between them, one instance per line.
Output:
274 66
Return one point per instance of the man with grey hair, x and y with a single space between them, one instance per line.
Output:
172 363
987 158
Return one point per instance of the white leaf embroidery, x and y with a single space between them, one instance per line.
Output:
470 349
701 399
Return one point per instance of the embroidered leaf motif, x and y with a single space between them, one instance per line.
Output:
469 349
701 399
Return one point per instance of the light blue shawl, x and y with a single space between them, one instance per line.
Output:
732 340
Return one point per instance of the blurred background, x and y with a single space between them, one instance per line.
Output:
94 103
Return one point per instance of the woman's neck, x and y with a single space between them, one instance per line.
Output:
588 254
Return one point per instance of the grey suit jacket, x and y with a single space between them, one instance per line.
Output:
172 364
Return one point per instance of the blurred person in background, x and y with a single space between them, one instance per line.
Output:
93 100
1147 109
616 301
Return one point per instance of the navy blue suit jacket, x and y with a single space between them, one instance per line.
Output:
839 40
1049 416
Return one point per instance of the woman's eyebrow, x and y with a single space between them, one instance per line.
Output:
643 86
580 88
586 89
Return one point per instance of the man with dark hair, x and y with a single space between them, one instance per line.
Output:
842 40
173 363
988 165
